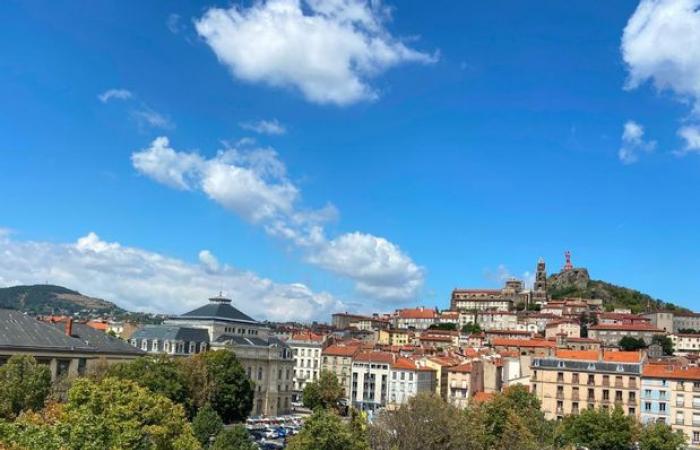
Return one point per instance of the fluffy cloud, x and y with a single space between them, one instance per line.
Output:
633 143
328 49
253 183
141 280
264 127
691 136
661 44
119 94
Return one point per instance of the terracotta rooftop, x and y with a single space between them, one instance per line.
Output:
417 313
462 368
532 343
594 355
626 327
340 350
671 372
306 336
377 357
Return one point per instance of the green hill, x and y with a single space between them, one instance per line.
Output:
577 283
49 299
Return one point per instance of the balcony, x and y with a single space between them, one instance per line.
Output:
632 384
560 396
619 384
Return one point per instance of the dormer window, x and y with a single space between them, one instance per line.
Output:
154 345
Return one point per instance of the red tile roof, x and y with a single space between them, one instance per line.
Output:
378 357
306 336
671 372
533 343
594 355
417 313
626 327
462 368
340 350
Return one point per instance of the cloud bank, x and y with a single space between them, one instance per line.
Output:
253 184
141 280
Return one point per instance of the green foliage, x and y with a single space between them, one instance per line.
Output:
427 422
24 385
324 430
160 374
665 342
230 389
629 343
688 331
109 414
471 328
450 326
324 392
206 424
234 438
599 429
659 436
516 412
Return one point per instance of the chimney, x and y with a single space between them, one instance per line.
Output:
69 326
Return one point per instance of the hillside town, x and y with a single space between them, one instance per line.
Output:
571 353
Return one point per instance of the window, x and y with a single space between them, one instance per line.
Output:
574 378
606 394
632 396
560 377
696 437
680 418
260 373
647 406
591 380
662 406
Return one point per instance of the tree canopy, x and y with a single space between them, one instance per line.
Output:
599 429
206 425
24 385
231 391
325 430
160 374
629 343
106 414
324 392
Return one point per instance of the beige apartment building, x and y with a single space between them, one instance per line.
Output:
460 385
337 359
573 380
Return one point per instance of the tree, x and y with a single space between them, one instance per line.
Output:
198 382
234 438
665 342
471 328
107 414
426 422
629 343
24 385
599 429
659 436
526 423
206 424
324 430
449 326
231 392
324 392
160 374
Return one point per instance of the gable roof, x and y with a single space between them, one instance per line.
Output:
20 331
218 308
99 340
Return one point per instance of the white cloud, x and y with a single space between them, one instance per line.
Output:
661 44
264 127
633 143
326 49
119 94
691 136
173 23
141 280
209 261
145 116
253 183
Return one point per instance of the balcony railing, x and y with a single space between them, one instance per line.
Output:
560 395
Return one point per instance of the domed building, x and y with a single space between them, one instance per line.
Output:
218 325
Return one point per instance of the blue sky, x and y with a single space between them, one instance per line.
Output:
405 149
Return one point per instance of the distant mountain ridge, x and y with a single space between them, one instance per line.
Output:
577 283
50 299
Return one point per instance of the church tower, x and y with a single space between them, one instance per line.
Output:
540 288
